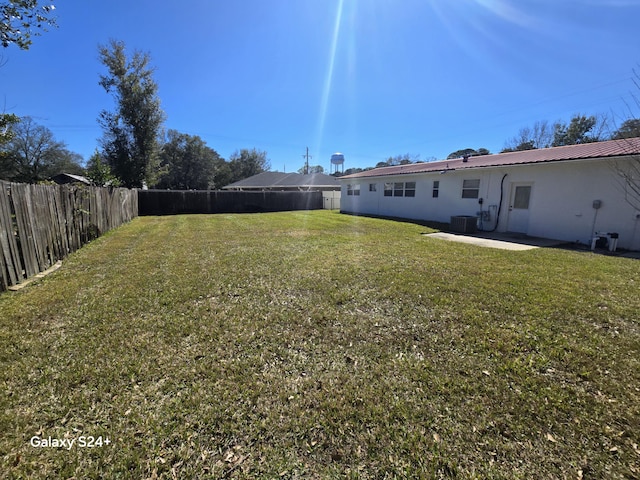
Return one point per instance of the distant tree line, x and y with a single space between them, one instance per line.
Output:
134 149
30 153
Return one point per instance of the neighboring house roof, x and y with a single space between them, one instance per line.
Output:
274 180
610 148
63 178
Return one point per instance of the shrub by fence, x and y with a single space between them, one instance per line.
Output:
173 202
41 224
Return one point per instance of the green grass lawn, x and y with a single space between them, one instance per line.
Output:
320 345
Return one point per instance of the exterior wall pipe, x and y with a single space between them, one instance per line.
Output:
499 204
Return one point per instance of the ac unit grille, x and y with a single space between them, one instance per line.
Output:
464 224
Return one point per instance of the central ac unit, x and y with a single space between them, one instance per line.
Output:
464 224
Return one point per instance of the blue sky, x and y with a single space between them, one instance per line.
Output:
369 78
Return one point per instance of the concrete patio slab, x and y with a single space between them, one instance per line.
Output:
504 241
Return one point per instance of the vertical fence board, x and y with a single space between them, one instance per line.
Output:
27 248
11 267
41 224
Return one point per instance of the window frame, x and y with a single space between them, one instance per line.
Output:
408 190
400 189
353 189
471 188
521 202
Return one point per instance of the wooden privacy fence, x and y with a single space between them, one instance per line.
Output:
41 224
173 202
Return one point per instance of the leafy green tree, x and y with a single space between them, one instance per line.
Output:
520 147
581 129
68 162
130 140
22 19
222 174
404 159
246 163
7 121
188 163
628 129
312 169
33 154
99 171
468 152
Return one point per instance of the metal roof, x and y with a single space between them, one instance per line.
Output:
610 148
286 180
71 177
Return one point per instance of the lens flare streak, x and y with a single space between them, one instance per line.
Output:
326 92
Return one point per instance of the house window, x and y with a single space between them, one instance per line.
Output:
410 189
372 187
522 196
471 188
436 188
353 189
400 189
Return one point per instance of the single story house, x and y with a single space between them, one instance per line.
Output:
564 193
283 182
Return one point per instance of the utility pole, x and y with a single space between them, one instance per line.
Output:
306 163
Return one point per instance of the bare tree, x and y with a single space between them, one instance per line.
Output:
539 135
629 176
33 154
629 172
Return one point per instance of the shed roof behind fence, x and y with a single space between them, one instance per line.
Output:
610 148
63 178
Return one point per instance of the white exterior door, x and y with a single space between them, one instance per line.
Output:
519 207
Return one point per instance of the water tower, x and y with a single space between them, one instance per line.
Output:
337 163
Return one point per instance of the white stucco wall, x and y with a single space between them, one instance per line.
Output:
560 207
